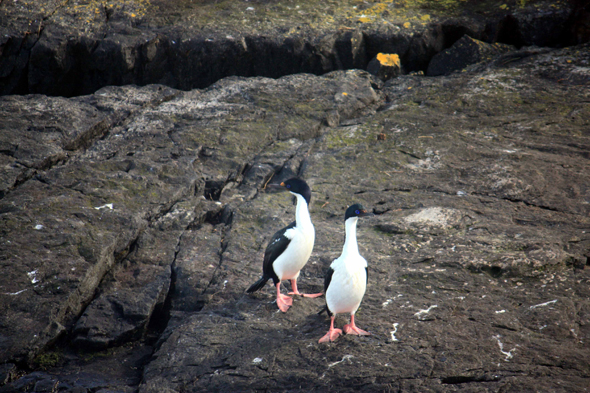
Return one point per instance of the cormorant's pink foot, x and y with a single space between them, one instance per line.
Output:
332 333
348 329
296 291
306 294
283 301
352 329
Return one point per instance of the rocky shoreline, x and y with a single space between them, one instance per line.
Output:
134 217
75 48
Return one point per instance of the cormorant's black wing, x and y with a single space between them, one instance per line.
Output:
328 278
277 245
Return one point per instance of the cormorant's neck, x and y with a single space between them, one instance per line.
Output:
350 243
302 212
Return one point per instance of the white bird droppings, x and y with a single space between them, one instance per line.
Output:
508 354
425 311
257 360
542 304
345 357
393 338
107 206
15 293
33 277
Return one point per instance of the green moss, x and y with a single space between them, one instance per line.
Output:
343 137
48 360
440 5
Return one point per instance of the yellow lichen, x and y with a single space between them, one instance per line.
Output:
389 60
93 9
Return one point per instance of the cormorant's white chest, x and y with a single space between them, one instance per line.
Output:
302 238
297 253
346 279
348 284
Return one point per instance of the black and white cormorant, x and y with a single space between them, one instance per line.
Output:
290 248
346 279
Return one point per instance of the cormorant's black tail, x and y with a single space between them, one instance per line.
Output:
325 309
258 284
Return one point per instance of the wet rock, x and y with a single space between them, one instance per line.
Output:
464 52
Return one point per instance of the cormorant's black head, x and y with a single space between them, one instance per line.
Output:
298 186
356 210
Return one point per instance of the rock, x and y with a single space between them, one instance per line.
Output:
464 52
69 50
433 288
6 371
385 66
105 372
134 177
59 129
138 238
122 315
525 27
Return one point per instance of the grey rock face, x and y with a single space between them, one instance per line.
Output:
133 219
463 53
122 315
385 66
69 49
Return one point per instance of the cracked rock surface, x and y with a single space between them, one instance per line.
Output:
132 220
70 48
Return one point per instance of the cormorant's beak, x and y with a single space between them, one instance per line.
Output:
277 186
284 185
274 186
281 187
365 213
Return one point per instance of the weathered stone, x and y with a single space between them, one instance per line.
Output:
478 180
71 49
46 138
385 66
122 314
456 271
464 52
6 372
134 176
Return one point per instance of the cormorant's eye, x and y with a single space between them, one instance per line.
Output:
357 212
288 186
